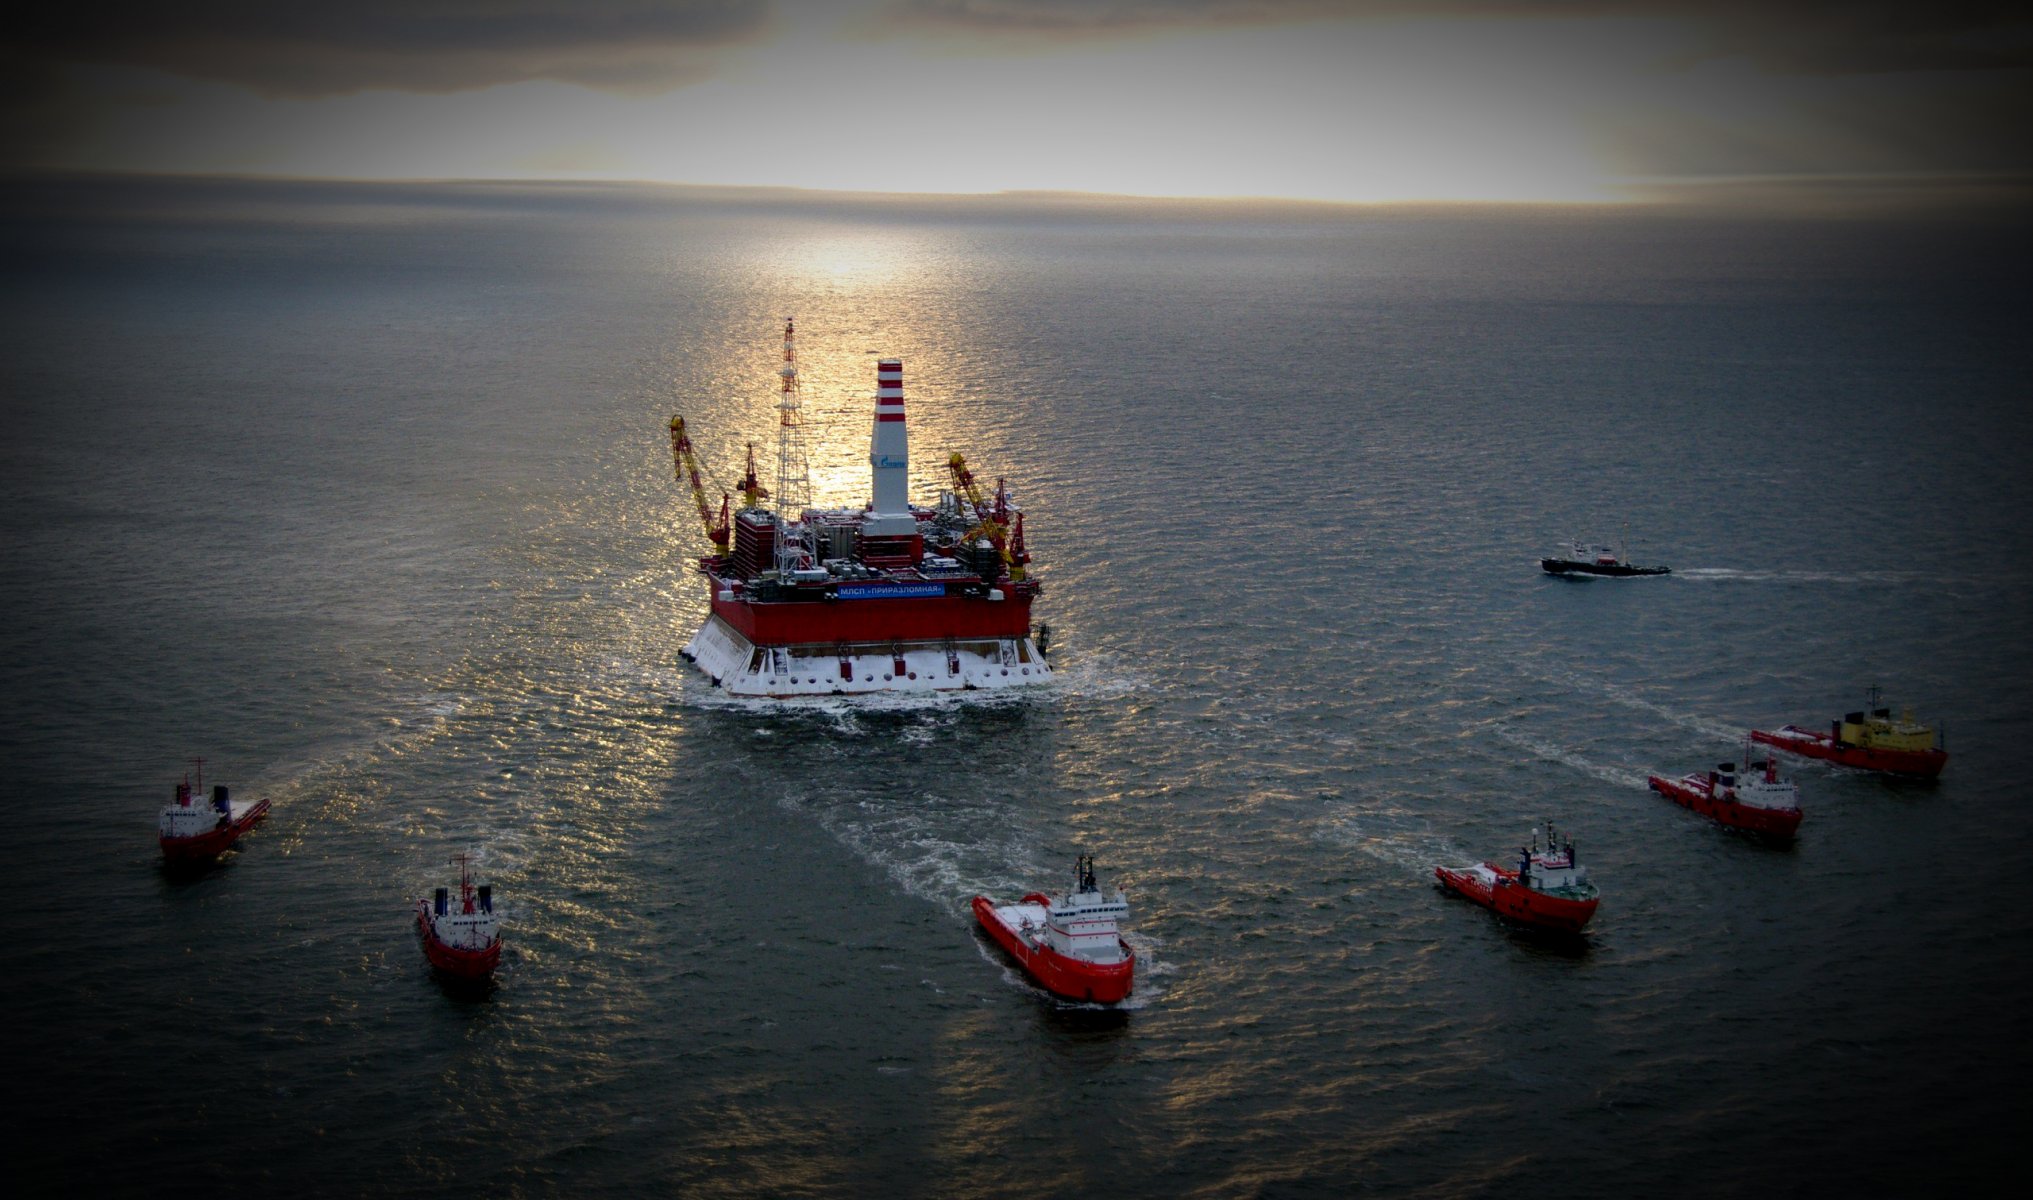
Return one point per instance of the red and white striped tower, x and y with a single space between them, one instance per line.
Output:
889 458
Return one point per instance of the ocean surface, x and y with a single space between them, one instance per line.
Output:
363 494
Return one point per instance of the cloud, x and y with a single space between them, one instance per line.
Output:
1805 36
1298 97
305 50
308 49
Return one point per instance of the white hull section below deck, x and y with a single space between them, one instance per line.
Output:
745 669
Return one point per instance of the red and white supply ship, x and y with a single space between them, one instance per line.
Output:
1548 890
462 938
1759 802
887 597
189 831
1070 944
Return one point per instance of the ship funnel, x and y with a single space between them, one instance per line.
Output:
889 457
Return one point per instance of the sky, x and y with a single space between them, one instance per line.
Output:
1336 100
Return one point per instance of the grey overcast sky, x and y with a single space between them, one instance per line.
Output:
1356 100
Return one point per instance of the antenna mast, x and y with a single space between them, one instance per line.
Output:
793 470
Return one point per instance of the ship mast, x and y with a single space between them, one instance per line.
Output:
793 470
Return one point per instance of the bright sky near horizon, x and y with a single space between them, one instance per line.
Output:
1347 100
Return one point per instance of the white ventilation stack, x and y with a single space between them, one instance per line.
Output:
889 458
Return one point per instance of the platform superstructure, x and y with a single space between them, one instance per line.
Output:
891 596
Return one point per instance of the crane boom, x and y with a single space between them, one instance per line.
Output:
991 521
686 464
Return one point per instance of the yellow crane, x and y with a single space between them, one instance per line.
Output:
990 522
686 464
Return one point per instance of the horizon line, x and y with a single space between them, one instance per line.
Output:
1900 189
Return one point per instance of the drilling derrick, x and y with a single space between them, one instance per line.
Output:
793 470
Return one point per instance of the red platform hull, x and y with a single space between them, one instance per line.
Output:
1522 905
452 961
1921 764
1692 792
213 842
1069 978
919 619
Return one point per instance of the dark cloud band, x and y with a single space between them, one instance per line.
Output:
415 45
1804 36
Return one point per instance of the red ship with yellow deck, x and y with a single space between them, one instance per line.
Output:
1871 739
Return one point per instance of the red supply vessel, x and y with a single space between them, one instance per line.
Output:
1547 890
1759 802
1871 739
1069 944
462 938
193 832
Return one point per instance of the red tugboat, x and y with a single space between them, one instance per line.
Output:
1760 804
190 832
462 944
1872 740
1547 891
1070 945
888 597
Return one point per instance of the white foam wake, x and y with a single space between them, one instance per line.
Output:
1620 776
1576 681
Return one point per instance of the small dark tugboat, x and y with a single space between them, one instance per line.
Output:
1760 803
191 833
462 941
1547 891
1596 560
1872 740
1069 944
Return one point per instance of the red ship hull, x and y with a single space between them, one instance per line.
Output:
212 842
452 961
1693 792
881 620
1068 978
1522 905
1921 764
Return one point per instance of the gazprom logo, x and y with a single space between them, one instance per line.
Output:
885 461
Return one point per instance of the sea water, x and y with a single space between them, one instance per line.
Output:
363 494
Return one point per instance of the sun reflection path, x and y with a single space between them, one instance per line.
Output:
857 296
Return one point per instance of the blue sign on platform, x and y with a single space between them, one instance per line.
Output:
889 591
